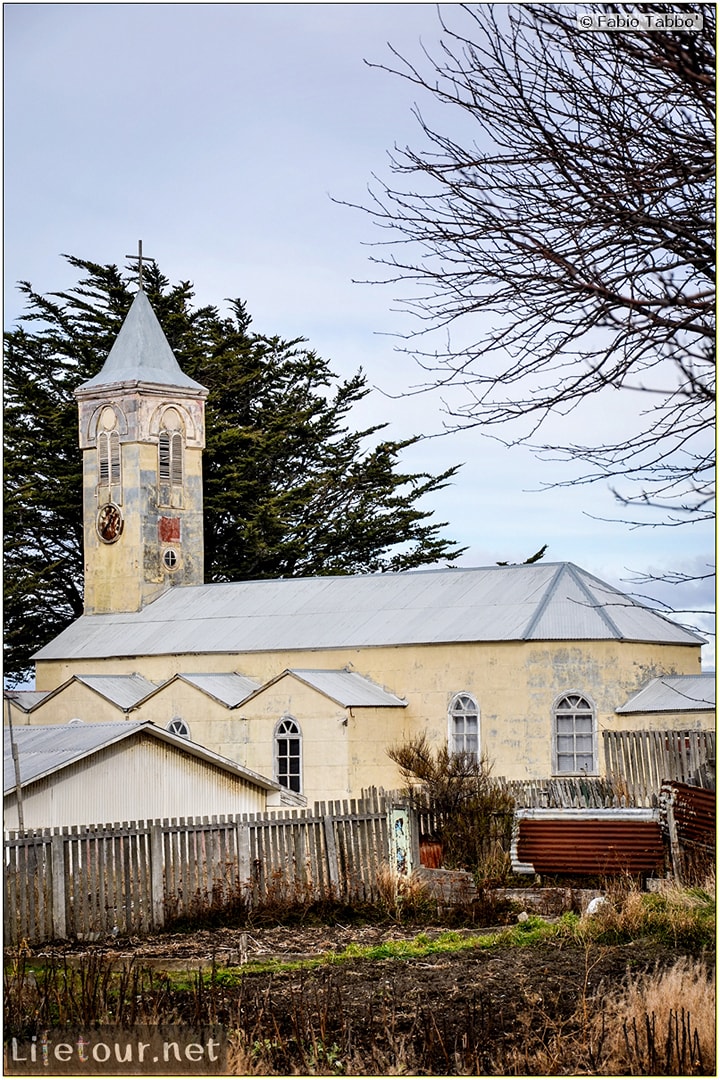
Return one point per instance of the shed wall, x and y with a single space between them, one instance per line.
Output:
135 780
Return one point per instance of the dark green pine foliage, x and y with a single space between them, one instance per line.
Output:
290 488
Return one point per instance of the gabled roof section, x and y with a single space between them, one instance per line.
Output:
27 700
674 693
141 354
123 691
44 750
535 602
347 688
228 688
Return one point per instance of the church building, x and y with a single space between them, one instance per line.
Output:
308 681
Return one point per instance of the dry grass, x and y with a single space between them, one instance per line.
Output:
683 917
658 1023
403 897
661 1024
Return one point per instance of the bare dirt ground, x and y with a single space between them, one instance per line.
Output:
477 1011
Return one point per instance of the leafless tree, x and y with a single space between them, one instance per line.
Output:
563 244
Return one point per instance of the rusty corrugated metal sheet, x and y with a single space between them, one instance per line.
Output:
694 810
593 845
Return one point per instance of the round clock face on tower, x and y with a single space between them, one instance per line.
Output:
109 523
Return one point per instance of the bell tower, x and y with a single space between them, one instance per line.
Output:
142 433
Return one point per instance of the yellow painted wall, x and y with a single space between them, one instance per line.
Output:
516 685
343 749
210 722
666 721
73 702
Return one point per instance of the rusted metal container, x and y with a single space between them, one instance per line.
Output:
587 842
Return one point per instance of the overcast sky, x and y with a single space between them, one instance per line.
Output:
221 135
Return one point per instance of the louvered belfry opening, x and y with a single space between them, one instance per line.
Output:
170 458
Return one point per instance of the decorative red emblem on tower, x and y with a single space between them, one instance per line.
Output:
169 529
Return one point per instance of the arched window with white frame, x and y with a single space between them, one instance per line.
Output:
288 754
574 736
464 725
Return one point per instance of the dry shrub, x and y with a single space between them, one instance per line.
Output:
680 916
662 1023
403 897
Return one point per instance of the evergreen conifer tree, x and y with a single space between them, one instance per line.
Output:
290 488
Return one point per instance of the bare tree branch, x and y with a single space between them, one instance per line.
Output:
558 237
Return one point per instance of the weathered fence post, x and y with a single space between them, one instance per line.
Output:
331 848
157 878
676 862
57 862
243 850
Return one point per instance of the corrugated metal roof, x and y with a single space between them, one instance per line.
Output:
141 353
537 602
125 691
229 688
27 700
348 688
673 693
43 750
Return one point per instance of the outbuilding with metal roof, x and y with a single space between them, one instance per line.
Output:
84 774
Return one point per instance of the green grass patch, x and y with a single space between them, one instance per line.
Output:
647 915
531 932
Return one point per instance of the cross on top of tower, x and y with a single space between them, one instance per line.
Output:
139 258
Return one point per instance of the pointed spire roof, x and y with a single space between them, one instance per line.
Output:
141 354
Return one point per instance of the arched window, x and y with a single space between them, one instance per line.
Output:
170 458
178 727
464 725
288 754
108 448
574 735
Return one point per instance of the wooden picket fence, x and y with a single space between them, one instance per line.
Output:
569 792
133 877
638 762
